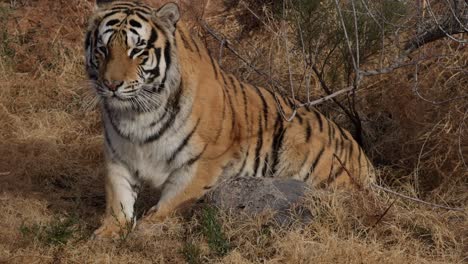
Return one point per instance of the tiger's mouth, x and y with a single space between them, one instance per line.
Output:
142 97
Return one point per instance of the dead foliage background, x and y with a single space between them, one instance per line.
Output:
408 107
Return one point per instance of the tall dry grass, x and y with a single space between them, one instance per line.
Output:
51 187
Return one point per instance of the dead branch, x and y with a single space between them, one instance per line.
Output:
416 199
383 215
328 97
453 24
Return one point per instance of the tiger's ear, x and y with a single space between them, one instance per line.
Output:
169 14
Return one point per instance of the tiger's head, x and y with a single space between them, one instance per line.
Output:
129 54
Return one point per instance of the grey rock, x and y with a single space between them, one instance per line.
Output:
254 196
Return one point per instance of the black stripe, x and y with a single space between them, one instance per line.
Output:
218 134
114 152
140 16
336 174
359 161
95 35
285 102
319 119
195 44
126 5
159 119
277 142
265 165
315 163
233 112
244 96
175 107
243 165
113 12
135 23
130 9
141 9
331 133
183 143
224 78
350 151
185 42
114 125
258 148
265 106
308 132
233 82
369 166
120 9
107 31
215 70
134 31
167 54
153 37
299 118
88 39
108 142
340 147
112 22
346 157
343 133
303 162
194 159
154 71
157 51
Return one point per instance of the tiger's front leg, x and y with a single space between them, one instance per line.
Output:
120 199
182 188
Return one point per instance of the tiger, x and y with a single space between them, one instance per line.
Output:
174 119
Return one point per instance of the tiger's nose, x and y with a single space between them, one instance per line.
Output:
113 85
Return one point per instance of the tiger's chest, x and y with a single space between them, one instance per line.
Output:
144 148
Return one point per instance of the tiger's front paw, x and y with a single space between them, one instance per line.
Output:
112 230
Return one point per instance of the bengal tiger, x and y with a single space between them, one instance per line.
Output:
173 118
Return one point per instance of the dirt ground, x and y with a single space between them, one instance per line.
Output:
51 175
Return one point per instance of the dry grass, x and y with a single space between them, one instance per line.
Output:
51 192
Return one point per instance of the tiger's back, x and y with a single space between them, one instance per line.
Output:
249 124
174 118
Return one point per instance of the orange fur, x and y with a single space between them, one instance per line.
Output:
232 128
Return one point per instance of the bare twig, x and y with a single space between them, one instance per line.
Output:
348 42
449 28
416 199
455 15
328 97
383 215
